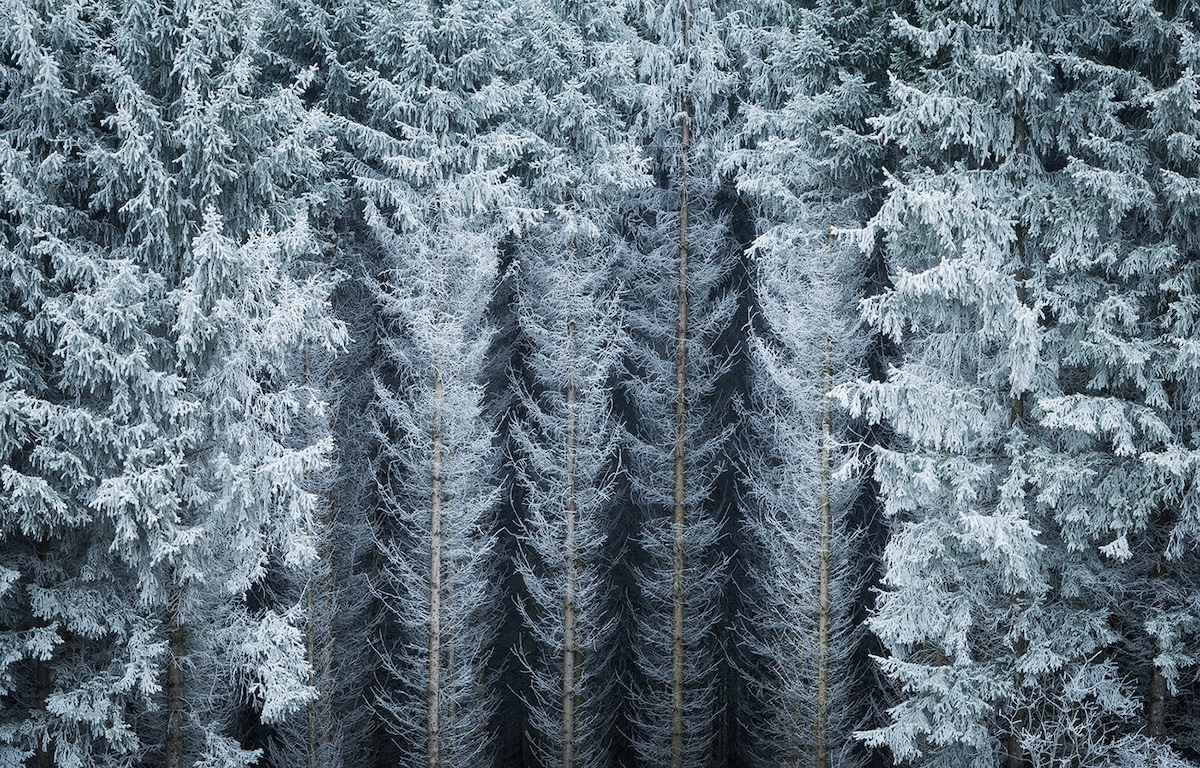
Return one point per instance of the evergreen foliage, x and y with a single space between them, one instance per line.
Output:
809 167
435 149
567 277
679 306
466 383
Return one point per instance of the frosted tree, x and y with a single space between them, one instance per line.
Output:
246 313
572 333
127 440
566 465
435 540
438 199
90 503
1024 240
322 44
1126 424
679 307
808 167
226 226
90 406
249 487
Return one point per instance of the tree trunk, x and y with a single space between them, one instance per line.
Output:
311 757
1156 703
311 747
821 726
1016 415
679 516
570 646
1156 695
433 692
42 751
176 700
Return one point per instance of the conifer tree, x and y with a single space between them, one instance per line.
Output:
572 329
436 152
245 314
1030 260
809 168
322 44
678 307
567 462
130 425
96 417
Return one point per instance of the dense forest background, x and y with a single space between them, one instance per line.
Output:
582 383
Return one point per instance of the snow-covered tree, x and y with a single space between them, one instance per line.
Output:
1035 294
572 330
566 466
809 169
679 307
323 44
243 325
437 193
90 507
1125 243
143 377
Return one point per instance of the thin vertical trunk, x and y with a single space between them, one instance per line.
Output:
311 748
1156 703
311 627
681 338
1156 695
1016 415
176 700
433 692
319 644
42 751
821 726
570 649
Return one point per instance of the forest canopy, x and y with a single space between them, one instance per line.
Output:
597 383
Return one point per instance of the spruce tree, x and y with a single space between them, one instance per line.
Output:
809 168
140 362
572 332
435 151
679 307
1030 256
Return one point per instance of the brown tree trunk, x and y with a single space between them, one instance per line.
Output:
570 646
176 699
821 726
1156 694
1016 415
1016 754
43 753
679 514
433 692
1156 703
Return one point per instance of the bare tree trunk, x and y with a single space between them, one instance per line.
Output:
1016 415
433 692
176 700
1156 695
570 648
42 751
311 750
821 735
43 756
311 759
1156 703
320 642
679 516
